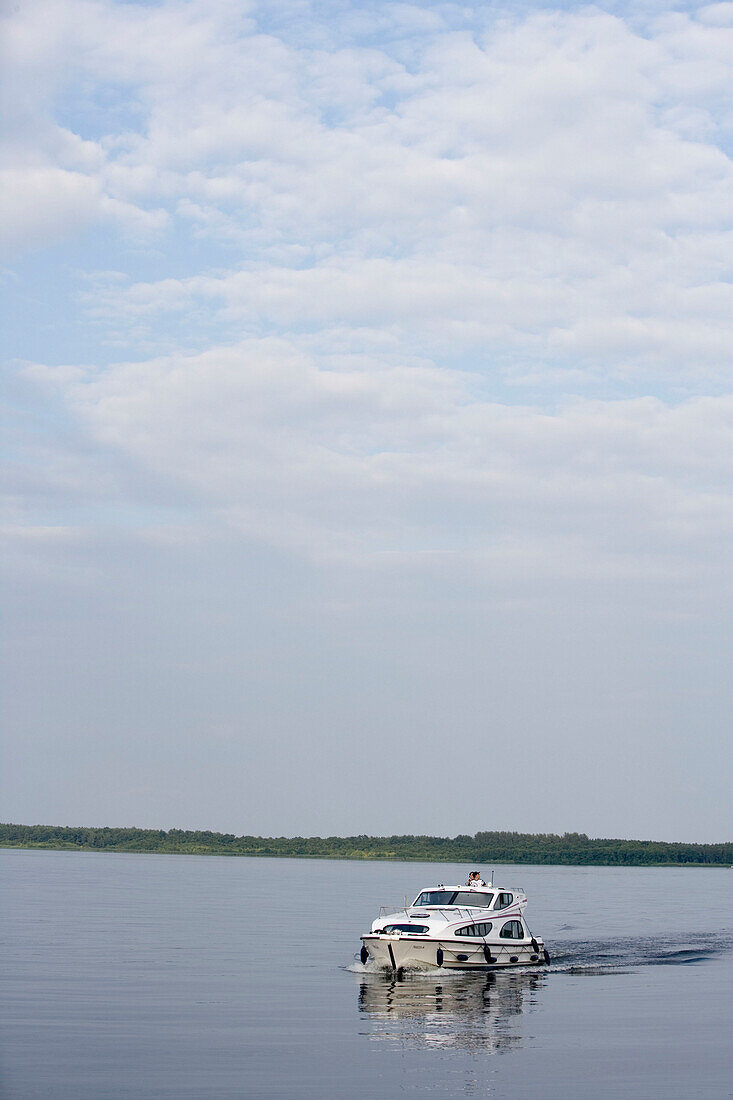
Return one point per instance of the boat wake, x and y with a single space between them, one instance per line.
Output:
619 956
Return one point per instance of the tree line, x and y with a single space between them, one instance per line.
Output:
482 848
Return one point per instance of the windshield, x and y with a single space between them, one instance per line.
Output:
455 897
473 897
436 897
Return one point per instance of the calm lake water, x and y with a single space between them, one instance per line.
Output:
182 976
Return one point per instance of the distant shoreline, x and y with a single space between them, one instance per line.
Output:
570 849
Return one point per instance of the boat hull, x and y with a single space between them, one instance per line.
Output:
396 952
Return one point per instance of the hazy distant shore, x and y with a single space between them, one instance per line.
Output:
483 848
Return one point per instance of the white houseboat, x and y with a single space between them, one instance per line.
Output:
457 928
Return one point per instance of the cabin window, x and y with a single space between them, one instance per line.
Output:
504 901
416 929
482 929
512 930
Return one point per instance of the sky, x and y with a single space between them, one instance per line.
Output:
369 416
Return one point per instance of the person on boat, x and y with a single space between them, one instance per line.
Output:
474 879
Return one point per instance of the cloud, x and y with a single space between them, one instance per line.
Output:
349 460
549 192
46 204
42 205
609 319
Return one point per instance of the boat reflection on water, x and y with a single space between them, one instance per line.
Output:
463 1010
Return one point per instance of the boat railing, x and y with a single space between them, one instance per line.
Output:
461 912
454 912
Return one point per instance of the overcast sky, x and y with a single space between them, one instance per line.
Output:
370 402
